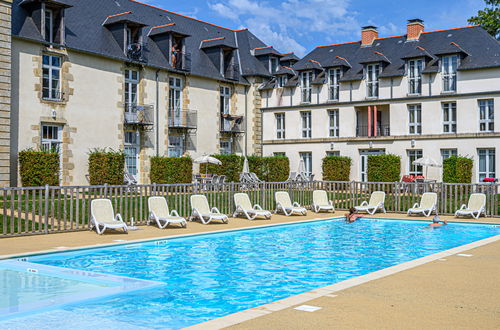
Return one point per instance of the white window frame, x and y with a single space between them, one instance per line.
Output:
132 79
415 119
226 146
447 153
53 73
486 115
282 79
414 154
49 15
489 170
333 153
449 110
280 125
306 78
135 146
175 100
372 80
449 66
306 124
176 145
415 68
307 157
51 143
225 106
333 123
276 62
334 76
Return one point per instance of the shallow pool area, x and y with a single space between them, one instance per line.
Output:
201 277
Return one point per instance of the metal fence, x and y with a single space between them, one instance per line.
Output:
43 210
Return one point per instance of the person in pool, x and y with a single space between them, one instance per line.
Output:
436 222
352 215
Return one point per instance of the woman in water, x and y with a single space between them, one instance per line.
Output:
436 222
352 215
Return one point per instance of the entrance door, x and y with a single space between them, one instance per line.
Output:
132 150
363 161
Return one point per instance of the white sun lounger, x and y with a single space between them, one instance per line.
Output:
244 206
159 212
377 200
201 210
284 204
103 216
321 202
475 207
428 204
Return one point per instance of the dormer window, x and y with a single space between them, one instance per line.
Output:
415 76
334 76
49 25
282 80
372 73
273 64
449 72
306 78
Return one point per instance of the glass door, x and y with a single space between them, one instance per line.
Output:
363 162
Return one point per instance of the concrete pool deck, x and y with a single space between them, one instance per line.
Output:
451 292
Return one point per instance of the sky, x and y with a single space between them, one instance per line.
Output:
301 25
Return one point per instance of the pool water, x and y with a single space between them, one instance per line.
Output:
207 276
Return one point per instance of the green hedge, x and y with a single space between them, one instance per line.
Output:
231 167
270 169
384 168
106 167
171 169
38 168
457 169
336 168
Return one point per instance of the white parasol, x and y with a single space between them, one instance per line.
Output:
207 160
246 168
426 162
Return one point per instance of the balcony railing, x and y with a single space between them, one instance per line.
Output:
230 124
182 61
382 130
232 72
185 119
136 51
138 114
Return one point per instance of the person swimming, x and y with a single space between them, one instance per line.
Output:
352 215
436 222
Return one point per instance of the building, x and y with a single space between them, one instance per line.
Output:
5 90
422 94
125 75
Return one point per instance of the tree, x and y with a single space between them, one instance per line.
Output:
489 18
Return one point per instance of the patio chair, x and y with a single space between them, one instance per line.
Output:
284 204
475 207
377 200
244 206
222 179
292 177
255 178
201 210
103 216
321 202
428 204
159 212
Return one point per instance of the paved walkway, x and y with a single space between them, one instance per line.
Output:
456 293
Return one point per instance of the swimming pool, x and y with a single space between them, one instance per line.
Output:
194 279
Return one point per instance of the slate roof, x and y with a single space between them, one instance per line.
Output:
289 57
85 32
285 70
267 50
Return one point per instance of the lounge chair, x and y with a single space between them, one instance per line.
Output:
321 202
255 178
376 203
103 216
292 177
244 206
284 204
475 207
201 210
159 212
428 204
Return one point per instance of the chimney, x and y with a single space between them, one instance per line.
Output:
368 35
414 28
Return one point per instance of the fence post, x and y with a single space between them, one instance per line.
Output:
46 219
105 190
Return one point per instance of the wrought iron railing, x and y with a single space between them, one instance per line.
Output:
232 72
382 130
136 51
182 61
182 118
232 124
136 114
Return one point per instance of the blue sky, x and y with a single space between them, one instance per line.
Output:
301 25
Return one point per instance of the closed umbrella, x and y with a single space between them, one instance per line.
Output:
207 160
426 162
246 168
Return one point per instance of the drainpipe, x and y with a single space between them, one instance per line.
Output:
157 126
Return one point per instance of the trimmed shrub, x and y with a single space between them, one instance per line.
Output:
231 167
171 169
336 168
106 167
457 169
384 168
270 169
38 168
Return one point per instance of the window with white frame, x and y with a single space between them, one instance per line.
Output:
51 138
273 64
486 116
486 163
225 107
333 128
372 72
131 88
280 125
51 82
415 76
175 101
49 25
449 72
413 155
333 153
447 153
306 78
415 118
307 158
175 145
282 79
449 117
306 124
132 150
334 76
226 146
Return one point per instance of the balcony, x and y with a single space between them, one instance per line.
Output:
182 119
141 115
232 124
136 52
232 72
382 130
181 61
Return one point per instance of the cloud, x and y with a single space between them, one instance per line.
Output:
283 22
